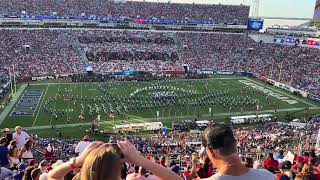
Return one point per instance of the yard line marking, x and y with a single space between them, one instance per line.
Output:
43 97
54 108
69 103
286 94
14 100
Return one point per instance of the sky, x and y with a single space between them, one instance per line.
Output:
267 8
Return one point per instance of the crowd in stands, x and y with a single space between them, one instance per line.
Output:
132 9
37 52
47 52
277 151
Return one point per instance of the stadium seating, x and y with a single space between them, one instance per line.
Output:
131 9
251 143
49 52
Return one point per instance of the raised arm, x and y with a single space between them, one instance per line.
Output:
62 170
133 156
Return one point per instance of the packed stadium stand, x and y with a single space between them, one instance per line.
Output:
48 52
131 9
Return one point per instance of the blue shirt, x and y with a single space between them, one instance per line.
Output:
277 157
4 156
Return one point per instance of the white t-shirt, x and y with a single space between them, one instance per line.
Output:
252 174
81 146
21 139
5 173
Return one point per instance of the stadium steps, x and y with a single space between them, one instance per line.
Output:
178 47
65 60
80 51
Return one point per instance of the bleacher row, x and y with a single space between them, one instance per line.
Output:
130 9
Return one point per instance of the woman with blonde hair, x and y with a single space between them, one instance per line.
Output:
306 173
100 161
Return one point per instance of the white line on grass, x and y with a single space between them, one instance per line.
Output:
286 94
43 97
54 108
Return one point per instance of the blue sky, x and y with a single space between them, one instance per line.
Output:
268 8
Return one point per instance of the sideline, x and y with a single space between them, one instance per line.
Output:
14 100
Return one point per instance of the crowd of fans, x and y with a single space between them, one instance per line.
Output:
132 9
37 52
288 152
49 52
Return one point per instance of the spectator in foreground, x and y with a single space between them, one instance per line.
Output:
271 164
221 149
20 137
82 144
35 174
27 173
285 171
106 163
43 166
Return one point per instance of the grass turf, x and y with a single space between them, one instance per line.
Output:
62 97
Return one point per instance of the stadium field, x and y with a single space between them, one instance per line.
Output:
67 104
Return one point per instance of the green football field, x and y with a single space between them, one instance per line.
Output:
63 103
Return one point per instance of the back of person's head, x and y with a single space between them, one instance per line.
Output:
312 161
313 153
28 144
220 138
27 173
35 173
300 166
248 162
270 155
281 152
3 140
307 169
136 169
102 164
285 165
13 144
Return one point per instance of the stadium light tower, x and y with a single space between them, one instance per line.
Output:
255 6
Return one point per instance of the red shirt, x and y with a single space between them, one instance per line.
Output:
271 162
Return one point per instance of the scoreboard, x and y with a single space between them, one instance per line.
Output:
255 24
